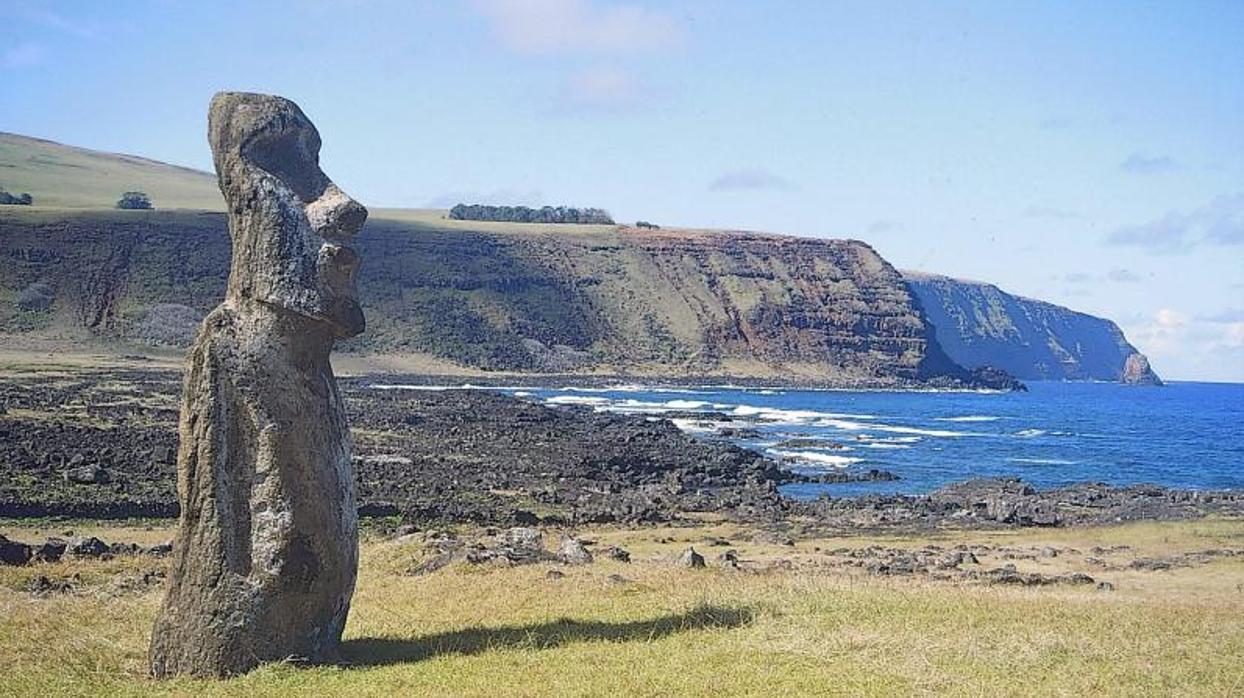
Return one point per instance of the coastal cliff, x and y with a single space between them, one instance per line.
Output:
511 297
979 324
482 295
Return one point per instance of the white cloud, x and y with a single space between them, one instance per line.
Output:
22 55
1233 336
1050 213
1220 222
753 179
605 88
1191 348
1139 163
1116 275
74 22
1123 276
884 226
578 26
1229 315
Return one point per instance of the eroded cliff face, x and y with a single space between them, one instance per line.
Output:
979 324
833 307
519 298
1136 371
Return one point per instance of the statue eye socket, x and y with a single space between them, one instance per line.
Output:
292 158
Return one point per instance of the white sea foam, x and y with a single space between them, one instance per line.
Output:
815 457
1042 461
888 439
969 418
886 445
441 388
577 400
1030 433
695 426
632 406
685 404
777 415
629 388
429 388
893 429
847 425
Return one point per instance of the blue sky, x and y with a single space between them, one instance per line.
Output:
1090 154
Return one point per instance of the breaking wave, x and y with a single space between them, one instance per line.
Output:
814 457
969 418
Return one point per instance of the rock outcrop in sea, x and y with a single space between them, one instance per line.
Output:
1136 371
267 547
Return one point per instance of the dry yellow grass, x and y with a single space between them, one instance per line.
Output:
810 630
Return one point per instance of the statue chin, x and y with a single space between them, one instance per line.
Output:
345 317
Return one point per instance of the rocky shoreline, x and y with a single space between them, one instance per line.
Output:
101 443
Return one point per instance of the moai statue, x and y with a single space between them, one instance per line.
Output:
266 552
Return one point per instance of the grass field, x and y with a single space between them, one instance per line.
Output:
796 628
64 176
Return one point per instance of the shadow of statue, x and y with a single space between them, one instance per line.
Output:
370 652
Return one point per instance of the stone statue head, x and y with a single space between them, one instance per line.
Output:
289 223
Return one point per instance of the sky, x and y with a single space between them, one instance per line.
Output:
1088 154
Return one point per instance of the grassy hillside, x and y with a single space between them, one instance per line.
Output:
64 176
787 622
503 296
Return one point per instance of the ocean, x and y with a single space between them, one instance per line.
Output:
1183 435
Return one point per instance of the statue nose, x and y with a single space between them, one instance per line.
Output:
336 216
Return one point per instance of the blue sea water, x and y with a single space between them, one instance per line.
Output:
1185 435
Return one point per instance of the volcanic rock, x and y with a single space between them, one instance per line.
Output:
88 475
573 552
691 559
89 547
1136 371
51 551
13 552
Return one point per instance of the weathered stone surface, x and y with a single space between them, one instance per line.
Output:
1136 371
267 549
13 552
88 475
573 552
50 551
690 558
90 547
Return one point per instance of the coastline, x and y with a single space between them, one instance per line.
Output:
100 442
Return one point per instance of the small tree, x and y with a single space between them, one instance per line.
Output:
15 199
134 200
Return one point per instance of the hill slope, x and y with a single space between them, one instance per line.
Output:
508 296
979 324
65 176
